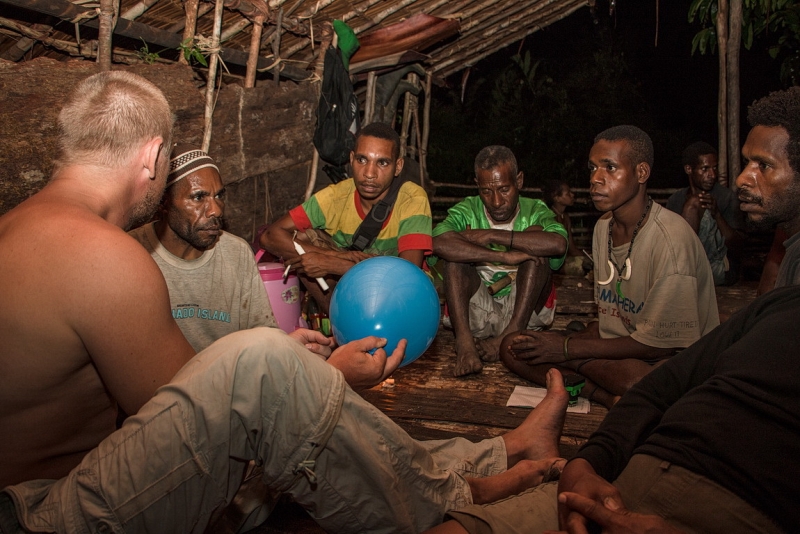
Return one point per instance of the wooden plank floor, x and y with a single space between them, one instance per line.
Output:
430 403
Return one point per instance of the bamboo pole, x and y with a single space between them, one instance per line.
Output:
106 20
212 75
234 29
136 11
722 103
190 27
426 128
328 37
369 100
255 46
276 48
732 67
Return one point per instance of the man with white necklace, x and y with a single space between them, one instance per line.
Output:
653 284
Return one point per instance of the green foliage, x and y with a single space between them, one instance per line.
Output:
146 55
775 22
192 52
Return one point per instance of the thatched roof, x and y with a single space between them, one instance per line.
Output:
445 35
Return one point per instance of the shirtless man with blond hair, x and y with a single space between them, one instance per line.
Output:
78 324
98 333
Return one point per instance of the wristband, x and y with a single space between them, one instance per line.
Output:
566 347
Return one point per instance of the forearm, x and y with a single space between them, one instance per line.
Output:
277 239
453 247
620 348
540 243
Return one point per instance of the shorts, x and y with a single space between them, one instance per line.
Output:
489 316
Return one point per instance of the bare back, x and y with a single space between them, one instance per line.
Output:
85 324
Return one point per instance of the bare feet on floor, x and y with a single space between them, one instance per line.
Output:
489 348
525 474
538 436
467 360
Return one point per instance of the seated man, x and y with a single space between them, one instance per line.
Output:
653 284
101 335
769 184
706 443
710 209
340 209
488 240
212 278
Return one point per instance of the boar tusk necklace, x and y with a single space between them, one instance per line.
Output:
623 272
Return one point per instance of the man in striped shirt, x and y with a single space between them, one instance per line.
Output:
326 223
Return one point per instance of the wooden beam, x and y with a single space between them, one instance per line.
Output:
136 30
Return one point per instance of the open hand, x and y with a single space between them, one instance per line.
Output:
363 369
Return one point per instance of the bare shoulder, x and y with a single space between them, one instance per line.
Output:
87 291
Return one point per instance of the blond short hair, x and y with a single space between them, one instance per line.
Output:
108 116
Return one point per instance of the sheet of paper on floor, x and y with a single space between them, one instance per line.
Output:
528 397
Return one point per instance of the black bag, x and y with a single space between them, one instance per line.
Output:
337 114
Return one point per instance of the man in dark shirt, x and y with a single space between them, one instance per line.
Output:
708 442
769 185
710 209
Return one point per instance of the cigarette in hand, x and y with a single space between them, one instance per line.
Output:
321 281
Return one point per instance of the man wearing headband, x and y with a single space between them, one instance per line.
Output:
214 285
653 284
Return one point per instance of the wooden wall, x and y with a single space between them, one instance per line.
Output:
261 137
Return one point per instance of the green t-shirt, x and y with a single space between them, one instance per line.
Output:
471 213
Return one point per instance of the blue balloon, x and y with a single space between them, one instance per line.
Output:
389 297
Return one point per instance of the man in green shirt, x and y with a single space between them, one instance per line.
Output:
486 242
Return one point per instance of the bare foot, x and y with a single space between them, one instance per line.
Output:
489 348
538 436
467 360
525 474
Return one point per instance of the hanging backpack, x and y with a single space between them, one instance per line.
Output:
337 115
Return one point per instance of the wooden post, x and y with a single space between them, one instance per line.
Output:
105 33
732 66
212 75
409 103
426 126
722 104
369 100
276 48
191 24
255 46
